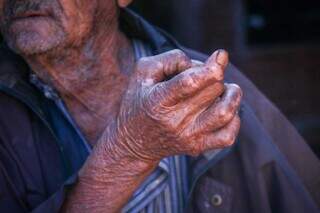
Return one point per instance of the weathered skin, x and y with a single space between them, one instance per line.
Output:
133 114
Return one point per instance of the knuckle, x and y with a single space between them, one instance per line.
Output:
228 140
179 53
182 55
147 63
225 115
233 100
239 91
182 59
234 86
235 89
144 61
231 141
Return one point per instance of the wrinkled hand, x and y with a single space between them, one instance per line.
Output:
174 106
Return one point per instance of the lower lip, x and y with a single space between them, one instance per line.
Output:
28 17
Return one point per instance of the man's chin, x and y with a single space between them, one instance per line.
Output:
31 44
27 38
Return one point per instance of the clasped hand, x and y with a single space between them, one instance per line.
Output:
174 106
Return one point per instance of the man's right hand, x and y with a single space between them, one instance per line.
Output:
172 107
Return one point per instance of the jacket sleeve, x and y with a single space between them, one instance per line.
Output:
282 132
17 193
33 175
254 177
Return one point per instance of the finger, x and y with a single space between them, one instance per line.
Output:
219 59
191 81
222 112
202 100
186 111
219 56
161 67
205 97
223 138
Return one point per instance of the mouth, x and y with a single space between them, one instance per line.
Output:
30 14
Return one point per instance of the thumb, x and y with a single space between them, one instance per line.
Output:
163 66
218 62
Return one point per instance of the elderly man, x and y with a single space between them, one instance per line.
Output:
98 113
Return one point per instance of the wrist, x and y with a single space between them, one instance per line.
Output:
128 143
111 156
109 176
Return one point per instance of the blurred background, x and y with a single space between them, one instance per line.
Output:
276 43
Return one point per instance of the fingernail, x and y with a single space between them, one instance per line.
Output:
222 58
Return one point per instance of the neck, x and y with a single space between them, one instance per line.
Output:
90 79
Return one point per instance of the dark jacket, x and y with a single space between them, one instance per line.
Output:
269 169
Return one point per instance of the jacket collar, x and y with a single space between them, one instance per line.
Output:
136 27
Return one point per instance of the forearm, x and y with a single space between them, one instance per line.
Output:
107 180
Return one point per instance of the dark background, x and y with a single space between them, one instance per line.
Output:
276 43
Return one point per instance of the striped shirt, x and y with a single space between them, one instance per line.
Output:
166 189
